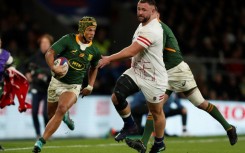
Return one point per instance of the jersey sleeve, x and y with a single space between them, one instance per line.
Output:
96 57
145 38
60 45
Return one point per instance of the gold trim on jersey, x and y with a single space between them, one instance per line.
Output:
77 39
90 56
170 49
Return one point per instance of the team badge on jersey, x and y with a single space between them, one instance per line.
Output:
81 55
90 56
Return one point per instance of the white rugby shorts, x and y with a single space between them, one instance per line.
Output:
180 78
153 91
56 88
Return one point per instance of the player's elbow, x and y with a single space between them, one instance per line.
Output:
49 53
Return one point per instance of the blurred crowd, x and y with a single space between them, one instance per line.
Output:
212 30
19 30
211 36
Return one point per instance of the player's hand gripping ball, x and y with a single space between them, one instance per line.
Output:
63 62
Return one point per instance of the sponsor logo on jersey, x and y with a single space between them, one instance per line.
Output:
90 56
76 65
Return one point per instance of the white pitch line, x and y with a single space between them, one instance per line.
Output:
122 144
69 146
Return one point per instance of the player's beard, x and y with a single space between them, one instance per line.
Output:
86 40
143 19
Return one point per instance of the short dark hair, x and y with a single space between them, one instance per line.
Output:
151 2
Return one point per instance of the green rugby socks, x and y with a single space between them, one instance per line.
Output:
149 128
214 112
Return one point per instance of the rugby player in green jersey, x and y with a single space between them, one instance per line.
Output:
180 79
82 55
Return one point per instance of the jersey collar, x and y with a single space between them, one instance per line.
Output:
82 44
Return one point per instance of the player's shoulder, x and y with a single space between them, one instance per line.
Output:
153 27
69 36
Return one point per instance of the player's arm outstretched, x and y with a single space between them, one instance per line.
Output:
125 53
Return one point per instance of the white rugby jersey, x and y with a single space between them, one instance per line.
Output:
149 64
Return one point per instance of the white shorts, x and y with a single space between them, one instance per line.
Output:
153 91
56 88
180 78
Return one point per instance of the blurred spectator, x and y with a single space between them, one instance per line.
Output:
242 87
235 67
173 107
219 87
233 89
38 74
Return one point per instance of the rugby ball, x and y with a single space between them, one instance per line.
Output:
58 62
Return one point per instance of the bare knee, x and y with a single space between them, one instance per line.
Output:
203 105
61 109
157 113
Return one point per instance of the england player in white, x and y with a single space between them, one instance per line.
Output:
147 73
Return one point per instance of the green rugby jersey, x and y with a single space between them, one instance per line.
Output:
79 60
171 53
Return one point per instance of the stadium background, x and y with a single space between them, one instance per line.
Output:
211 35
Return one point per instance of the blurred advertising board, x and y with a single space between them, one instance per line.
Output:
94 116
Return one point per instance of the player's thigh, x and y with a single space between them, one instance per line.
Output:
68 96
181 78
153 92
154 97
66 100
166 96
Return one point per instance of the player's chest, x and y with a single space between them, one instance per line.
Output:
80 55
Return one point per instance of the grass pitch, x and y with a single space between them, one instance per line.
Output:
173 144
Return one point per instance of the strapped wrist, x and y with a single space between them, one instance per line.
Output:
89 87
